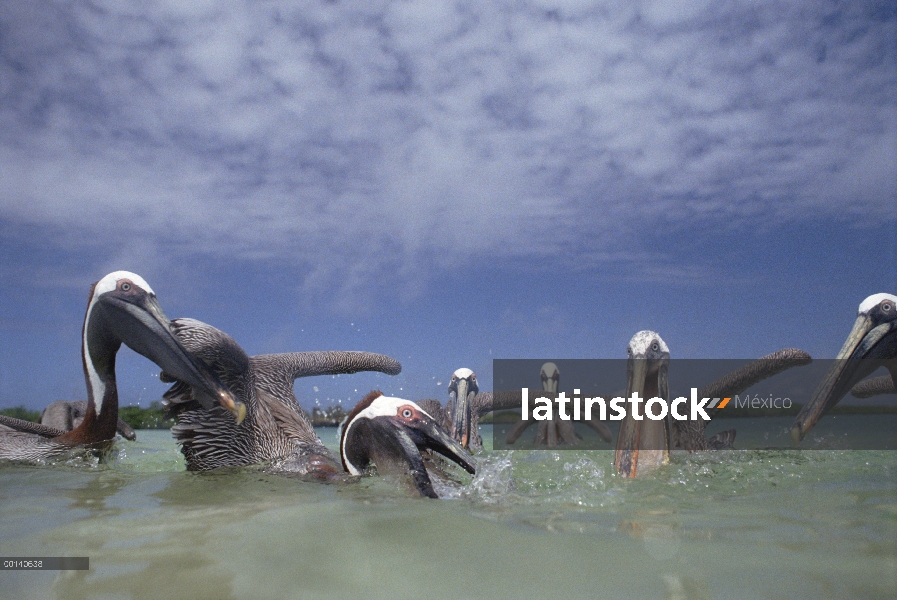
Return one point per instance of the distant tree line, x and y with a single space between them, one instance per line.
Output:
154 416
331 416
20 412
135 416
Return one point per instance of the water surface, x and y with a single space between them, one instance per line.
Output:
532 523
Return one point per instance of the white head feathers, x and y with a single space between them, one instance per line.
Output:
873 301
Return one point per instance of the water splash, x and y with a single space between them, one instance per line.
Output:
493 482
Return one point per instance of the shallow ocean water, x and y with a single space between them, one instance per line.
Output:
532 523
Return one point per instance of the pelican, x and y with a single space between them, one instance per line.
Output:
390 433
122 308
461 414
552 431
643 446
871 343
466 406
65 416
276 429
549 432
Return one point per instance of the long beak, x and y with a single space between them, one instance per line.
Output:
848 369
431 436
144 328
626 459
409 441
460 429
642 445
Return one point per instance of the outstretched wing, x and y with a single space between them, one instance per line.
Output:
874 387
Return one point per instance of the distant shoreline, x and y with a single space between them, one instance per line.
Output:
154 416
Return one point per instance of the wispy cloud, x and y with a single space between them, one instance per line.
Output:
382 141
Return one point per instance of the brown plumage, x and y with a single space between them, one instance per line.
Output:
276 430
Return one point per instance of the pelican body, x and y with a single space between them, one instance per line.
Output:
121 309
276 429
550 432
277 432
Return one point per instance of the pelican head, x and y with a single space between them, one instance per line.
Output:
872 340
391 432
643 445
123 309
550 377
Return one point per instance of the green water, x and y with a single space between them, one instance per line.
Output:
531 524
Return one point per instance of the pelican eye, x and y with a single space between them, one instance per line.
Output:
125 286
407 413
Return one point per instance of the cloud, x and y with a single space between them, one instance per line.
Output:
391 141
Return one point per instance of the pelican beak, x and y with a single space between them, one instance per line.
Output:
141 324
460 430
643 445
849 368
425 434
626 459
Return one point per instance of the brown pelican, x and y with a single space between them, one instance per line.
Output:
549 432
461 414
276 429
122 308
643 446
871 343
65 416
555 431
390 433
466 406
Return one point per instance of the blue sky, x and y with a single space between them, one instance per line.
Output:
446 183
